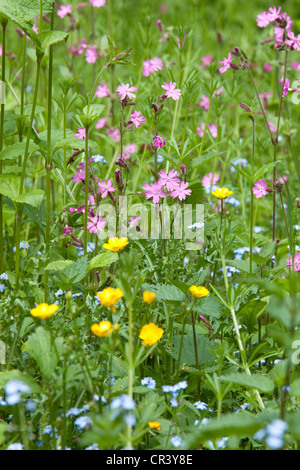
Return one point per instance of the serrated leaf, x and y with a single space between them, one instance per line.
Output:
258 381
33 198
102 260
14 151
9 185
52 37
58 265
166 292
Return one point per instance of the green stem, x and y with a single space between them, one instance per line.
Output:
4 23
130 369
86 187
252 197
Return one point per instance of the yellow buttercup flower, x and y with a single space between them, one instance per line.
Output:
148 297
109 296
103 329
199 291
154 425
222 193
150 334
116 244
44 311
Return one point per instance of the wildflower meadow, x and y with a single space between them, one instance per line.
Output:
149 225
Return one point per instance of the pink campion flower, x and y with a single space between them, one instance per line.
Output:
101 123
169 180
125 91
296 66
95 224
264 96
114 134
171 91
102 90
98 3
210 180
278 36
72 210
259 189
226 63
35 29
218 92
180 191
128 150
213 129
154 191
272 127
181 46
91 55
268 67
286 85
206 60
133 222
158 141
293 41
79 176
152 65
80 133
82 46
296 262
106 188
274 13
263 19
136 118
67 230
205 102
1 50
64 10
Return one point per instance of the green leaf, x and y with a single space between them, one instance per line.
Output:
244 173
166 292
52 37
259 173
294 390
242 265
9 185
72 274
15 374
40 348
265 253
205 357
258 381
3 428
58 265
33 198
14 151
102 260
2 352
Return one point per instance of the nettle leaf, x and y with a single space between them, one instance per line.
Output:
166 292
14 151
265 254
208 306
9 185
258 381
40 348
33 198
73 273
197 195
15 374
235 424
52 37
205 357
58 265
242 265
102 260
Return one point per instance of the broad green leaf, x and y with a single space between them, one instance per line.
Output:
3 428
58 265
72 274
40 348
205 357
265 253
9 185
166 292
14 151
102 260
2 352
15 374
259 173
33 198
258 381
294 390
242 265
52 37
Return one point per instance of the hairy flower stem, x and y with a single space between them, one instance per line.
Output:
252 197
48 159
130 369
237 332
86 187
196 350
4 23
285 220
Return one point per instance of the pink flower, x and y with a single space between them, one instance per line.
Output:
126 91
114 134
79 176
259 189
286 85
272 127
154 191
1 50
158 141
263 19
101 123
91 55
180 191
171 92
206 60
67 230
210 180
296 66
102 90
82 46
296 262
134 221
169 180
95 224
205 102
98 3
274 13
213 129
226 63
268 67
137 119
293 41
64 10
218 92
35 29
106 188
80 133
151 66
128 150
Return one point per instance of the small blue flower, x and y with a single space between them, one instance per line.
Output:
151 384
200 405
73 412
83 422
4 277
99 159
2 287
177 441
15 446
130 419
48 430
123 401
92 447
